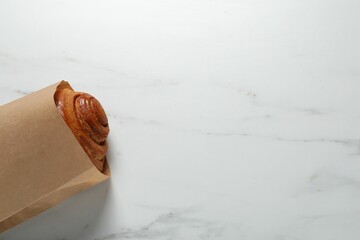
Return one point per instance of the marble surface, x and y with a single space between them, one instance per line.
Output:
229 119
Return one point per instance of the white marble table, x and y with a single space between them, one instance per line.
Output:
229 119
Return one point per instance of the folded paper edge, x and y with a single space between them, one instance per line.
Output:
53 198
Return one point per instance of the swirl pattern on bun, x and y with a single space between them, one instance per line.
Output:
87 120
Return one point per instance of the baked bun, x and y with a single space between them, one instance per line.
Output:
87 120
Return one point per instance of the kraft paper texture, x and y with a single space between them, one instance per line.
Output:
41 161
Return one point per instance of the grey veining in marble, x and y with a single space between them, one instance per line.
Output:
229 119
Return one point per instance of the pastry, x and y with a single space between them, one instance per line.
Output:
87 120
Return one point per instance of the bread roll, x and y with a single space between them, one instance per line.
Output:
87 120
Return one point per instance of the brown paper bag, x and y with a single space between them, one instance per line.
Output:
41 162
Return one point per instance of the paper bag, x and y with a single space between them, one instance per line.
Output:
41 161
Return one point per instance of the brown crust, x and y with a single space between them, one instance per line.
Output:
87 120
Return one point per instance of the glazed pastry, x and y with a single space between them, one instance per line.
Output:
87 120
